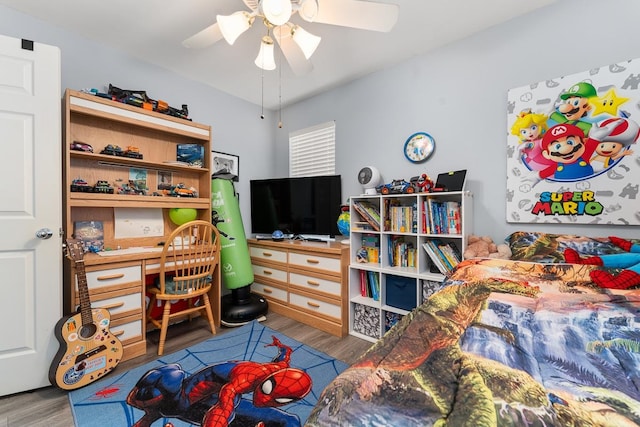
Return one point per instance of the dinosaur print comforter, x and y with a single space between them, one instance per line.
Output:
502 343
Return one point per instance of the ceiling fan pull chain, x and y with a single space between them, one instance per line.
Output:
262 94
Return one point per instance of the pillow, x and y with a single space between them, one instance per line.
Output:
549 248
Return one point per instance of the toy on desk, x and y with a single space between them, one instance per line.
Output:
277 236
422 183
397 186
140 99
132 188
81 146
103 186
181 190
112 150
133 152
80 185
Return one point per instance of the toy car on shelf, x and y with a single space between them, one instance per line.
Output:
79 185
112 150
397 186
102 186
133 152
181 190
81 146
422 183
132 188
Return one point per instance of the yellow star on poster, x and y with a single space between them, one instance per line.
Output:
607 103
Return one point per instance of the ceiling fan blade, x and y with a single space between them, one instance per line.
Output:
358 14
292 52
204 38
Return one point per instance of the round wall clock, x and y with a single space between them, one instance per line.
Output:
419 147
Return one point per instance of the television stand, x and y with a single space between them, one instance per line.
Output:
305 281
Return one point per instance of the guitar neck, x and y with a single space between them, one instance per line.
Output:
83 290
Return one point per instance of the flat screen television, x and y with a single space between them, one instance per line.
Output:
298 206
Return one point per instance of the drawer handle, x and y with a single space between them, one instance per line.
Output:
313 283
313 304
117 333
313 261
267 291
111 276
267 254
114 305
267 272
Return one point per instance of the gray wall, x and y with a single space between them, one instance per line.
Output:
458 94
236 124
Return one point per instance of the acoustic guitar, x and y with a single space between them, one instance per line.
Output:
88 351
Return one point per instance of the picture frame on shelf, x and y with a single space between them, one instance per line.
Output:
225 163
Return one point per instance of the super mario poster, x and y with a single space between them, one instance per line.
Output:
572 148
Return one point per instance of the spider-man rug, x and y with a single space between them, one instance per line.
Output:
250 376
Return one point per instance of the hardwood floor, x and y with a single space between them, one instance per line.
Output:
49 406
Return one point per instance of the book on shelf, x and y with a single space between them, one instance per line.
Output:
441 217
371 244
369 213
442 255
401 253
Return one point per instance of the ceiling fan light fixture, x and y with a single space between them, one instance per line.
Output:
277 12
307 42
231 26
308 10
265 58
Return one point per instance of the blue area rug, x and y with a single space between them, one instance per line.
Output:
187 390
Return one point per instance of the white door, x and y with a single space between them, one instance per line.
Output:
31 200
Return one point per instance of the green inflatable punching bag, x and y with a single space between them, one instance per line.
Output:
240 306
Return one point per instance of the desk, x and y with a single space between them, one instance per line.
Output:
117 283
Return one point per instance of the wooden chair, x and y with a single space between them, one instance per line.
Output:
189 265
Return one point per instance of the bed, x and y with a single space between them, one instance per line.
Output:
526 341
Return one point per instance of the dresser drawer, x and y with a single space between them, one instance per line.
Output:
270 273
113 277
314 261
120 305
127 330
268 254
269 292
315 284
315 305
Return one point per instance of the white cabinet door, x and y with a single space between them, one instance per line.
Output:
31 174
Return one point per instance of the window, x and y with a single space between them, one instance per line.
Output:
312 151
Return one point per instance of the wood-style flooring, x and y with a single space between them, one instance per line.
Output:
49 406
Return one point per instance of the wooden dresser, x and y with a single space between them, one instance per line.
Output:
306 281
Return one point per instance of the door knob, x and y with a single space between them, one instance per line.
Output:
44 233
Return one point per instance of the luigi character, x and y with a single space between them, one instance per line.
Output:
575 106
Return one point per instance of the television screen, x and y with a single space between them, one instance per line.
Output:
308 205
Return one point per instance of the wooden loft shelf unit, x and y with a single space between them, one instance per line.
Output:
118 282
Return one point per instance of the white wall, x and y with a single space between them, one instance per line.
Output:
236 124
458 94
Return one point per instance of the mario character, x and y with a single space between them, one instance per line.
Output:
565 144
529 128
629 260
575 106
213 396
614 136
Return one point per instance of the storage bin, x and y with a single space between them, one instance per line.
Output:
401 292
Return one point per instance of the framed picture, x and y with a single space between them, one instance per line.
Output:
222 163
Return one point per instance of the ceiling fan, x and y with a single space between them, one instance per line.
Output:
296 44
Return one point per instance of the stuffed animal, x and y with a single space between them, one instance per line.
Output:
484 247
629 260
